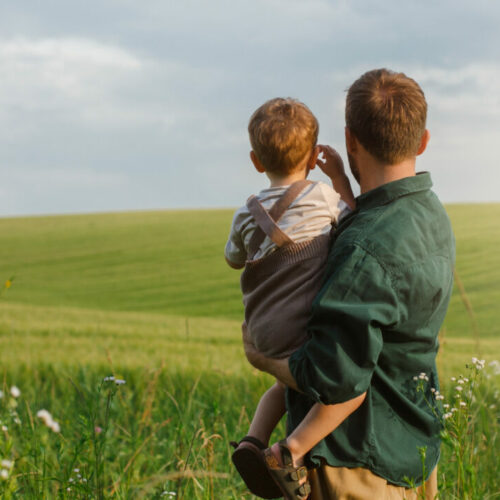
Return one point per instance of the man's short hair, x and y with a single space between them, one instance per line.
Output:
282 132
386 111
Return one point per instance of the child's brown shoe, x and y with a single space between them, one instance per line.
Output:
251 465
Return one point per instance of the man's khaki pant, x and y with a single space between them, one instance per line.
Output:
341 483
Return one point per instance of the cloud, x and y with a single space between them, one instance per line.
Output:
155 96
26 190
73 110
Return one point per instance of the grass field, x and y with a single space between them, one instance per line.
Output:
147 296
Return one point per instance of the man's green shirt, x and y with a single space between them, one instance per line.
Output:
374 328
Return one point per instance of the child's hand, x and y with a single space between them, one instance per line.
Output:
330 162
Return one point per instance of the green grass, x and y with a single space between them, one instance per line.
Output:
478 267
68 338
166 262
147 296
171 263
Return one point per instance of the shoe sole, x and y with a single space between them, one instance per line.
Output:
251 466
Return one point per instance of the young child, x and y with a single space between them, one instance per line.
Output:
281 237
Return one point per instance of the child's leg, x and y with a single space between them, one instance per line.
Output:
247 457
269 411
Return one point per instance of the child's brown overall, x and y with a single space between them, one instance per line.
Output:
278 289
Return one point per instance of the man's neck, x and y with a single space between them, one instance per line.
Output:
374 174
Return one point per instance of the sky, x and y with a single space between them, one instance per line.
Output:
117 105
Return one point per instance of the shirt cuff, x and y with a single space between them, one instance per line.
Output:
295 363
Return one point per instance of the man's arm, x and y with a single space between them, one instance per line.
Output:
357 301
334 414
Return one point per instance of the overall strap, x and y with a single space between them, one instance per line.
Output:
267 221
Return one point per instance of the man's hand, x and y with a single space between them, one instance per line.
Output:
277 367
330 162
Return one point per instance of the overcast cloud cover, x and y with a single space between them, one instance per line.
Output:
124 105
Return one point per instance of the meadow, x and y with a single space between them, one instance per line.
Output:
146 297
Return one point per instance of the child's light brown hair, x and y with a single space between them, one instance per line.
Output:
282 132
386 111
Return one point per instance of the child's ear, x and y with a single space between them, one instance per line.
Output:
256 163
311 163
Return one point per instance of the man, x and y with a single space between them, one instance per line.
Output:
375 322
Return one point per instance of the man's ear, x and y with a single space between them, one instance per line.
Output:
256 163
311 163
423 142
351 143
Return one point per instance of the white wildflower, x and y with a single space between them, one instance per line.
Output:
76 470
119 381
495 367
415 378
47 419
109 379
71 480
492 407
453 410
1 394
462 403
4 474
15 392
461 381
447 415
434 390
44 416
439 397
170 494
55 427
446 406
453 379
459 388
479 363
5 428
7 464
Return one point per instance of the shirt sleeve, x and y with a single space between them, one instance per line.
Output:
344 208
235 249
355 304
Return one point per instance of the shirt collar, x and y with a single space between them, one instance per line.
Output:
389 192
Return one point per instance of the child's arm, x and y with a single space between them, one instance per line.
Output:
234 252
333 166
